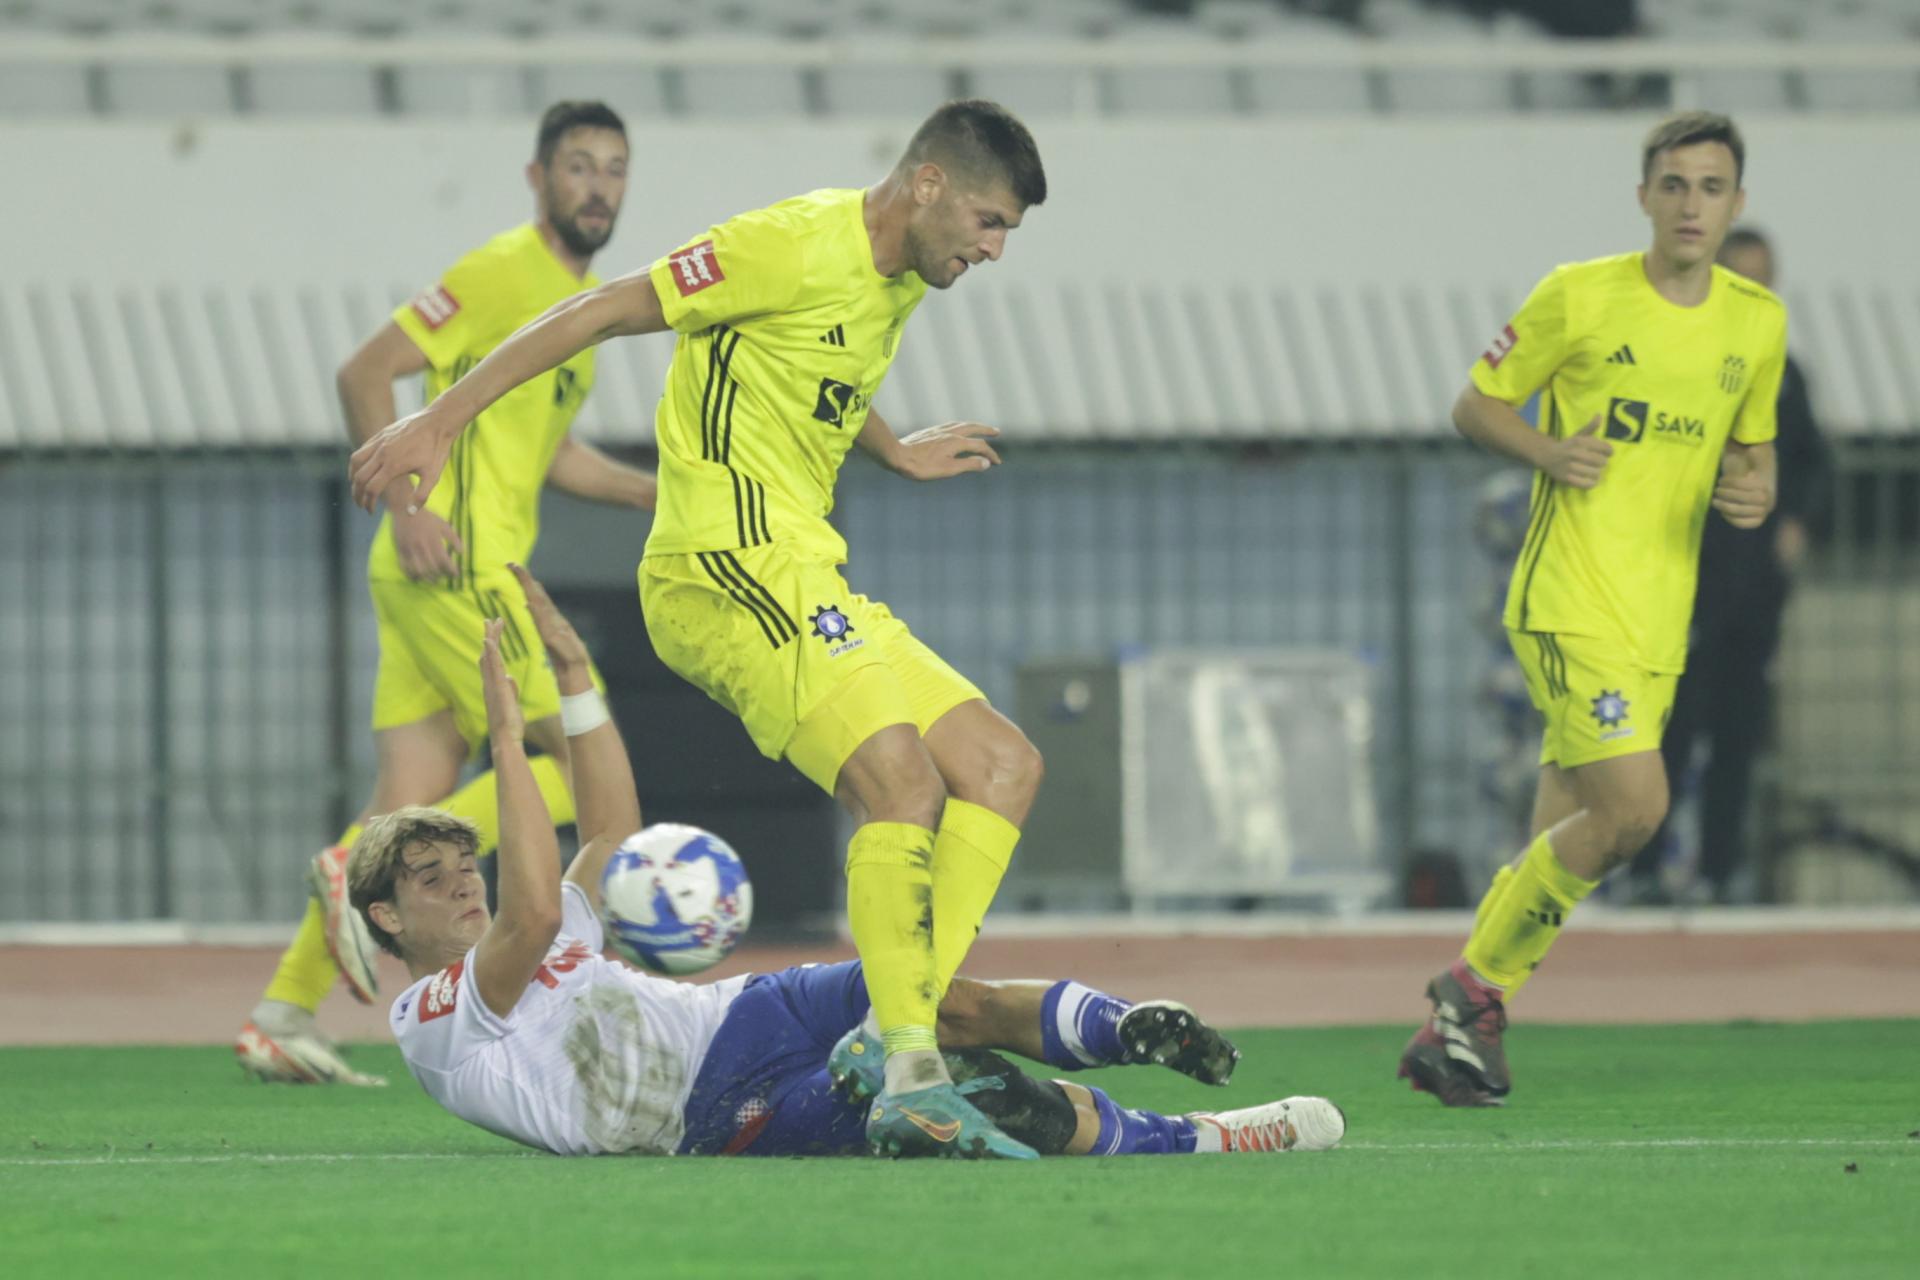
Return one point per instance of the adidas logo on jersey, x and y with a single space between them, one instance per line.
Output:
1623 356
835 337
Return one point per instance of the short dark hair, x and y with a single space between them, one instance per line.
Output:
1684 129
1745 238
979 139
564 116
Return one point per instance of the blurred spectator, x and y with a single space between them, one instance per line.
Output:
1745 576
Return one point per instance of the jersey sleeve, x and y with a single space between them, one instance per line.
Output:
578 919
1759 413
442 1021
747 266
462 314
1538 340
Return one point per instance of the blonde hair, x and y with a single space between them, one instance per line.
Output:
374 866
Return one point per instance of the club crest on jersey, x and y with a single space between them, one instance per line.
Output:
1502 346
1733 374
694 268
1610 711
833 627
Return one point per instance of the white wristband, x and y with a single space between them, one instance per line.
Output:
583 712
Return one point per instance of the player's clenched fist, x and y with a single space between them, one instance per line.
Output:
412 446
1580 459
1742 494
505 723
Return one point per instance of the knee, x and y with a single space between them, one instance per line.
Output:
905 788
1632 826
1010 768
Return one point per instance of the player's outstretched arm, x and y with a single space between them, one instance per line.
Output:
950 449
1577 461
608 804
585 472
528 920
425 543
1748 484
417 445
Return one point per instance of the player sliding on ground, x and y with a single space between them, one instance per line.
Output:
788 319
517 1023
1671 365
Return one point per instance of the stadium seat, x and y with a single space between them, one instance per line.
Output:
634 92
1163 91
1706 24
1309 89
158 89
313 89
442 90
1437 91
1858 90
43 89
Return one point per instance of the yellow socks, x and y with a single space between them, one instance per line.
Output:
890 911
479 801
970 855
1522 915
307 971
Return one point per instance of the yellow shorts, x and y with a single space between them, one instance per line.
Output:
1597 704
812 668
430 653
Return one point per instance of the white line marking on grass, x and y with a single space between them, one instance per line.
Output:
1491 1147
1628 1144
242 1157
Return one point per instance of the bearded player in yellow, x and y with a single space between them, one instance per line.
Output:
1671 367
439 573
788 318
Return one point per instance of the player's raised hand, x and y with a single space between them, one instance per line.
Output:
950 449
1742 494
565 649
427 546
505 722
414 446
1579 461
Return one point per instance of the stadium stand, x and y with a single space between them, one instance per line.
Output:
755 59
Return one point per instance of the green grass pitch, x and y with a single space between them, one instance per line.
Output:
1742 1150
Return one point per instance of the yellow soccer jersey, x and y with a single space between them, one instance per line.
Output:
490 490
786 331
1670 384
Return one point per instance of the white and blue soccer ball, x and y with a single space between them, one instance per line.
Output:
675 899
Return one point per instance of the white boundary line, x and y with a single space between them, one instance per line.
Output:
1382 1148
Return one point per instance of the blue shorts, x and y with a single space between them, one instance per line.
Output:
762 1089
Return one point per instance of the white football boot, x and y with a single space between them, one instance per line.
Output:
347 938
280 1045
1291 1124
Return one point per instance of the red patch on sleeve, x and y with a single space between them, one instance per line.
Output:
1503 344
436 306
694 268
443 990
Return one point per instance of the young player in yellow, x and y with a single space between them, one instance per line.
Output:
436 575
788 319
1657 374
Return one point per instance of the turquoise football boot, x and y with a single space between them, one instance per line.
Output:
937 1121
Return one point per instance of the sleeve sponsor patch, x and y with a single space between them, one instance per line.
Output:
436 306
443 990
1501 347
695 268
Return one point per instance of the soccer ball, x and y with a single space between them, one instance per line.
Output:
675 899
